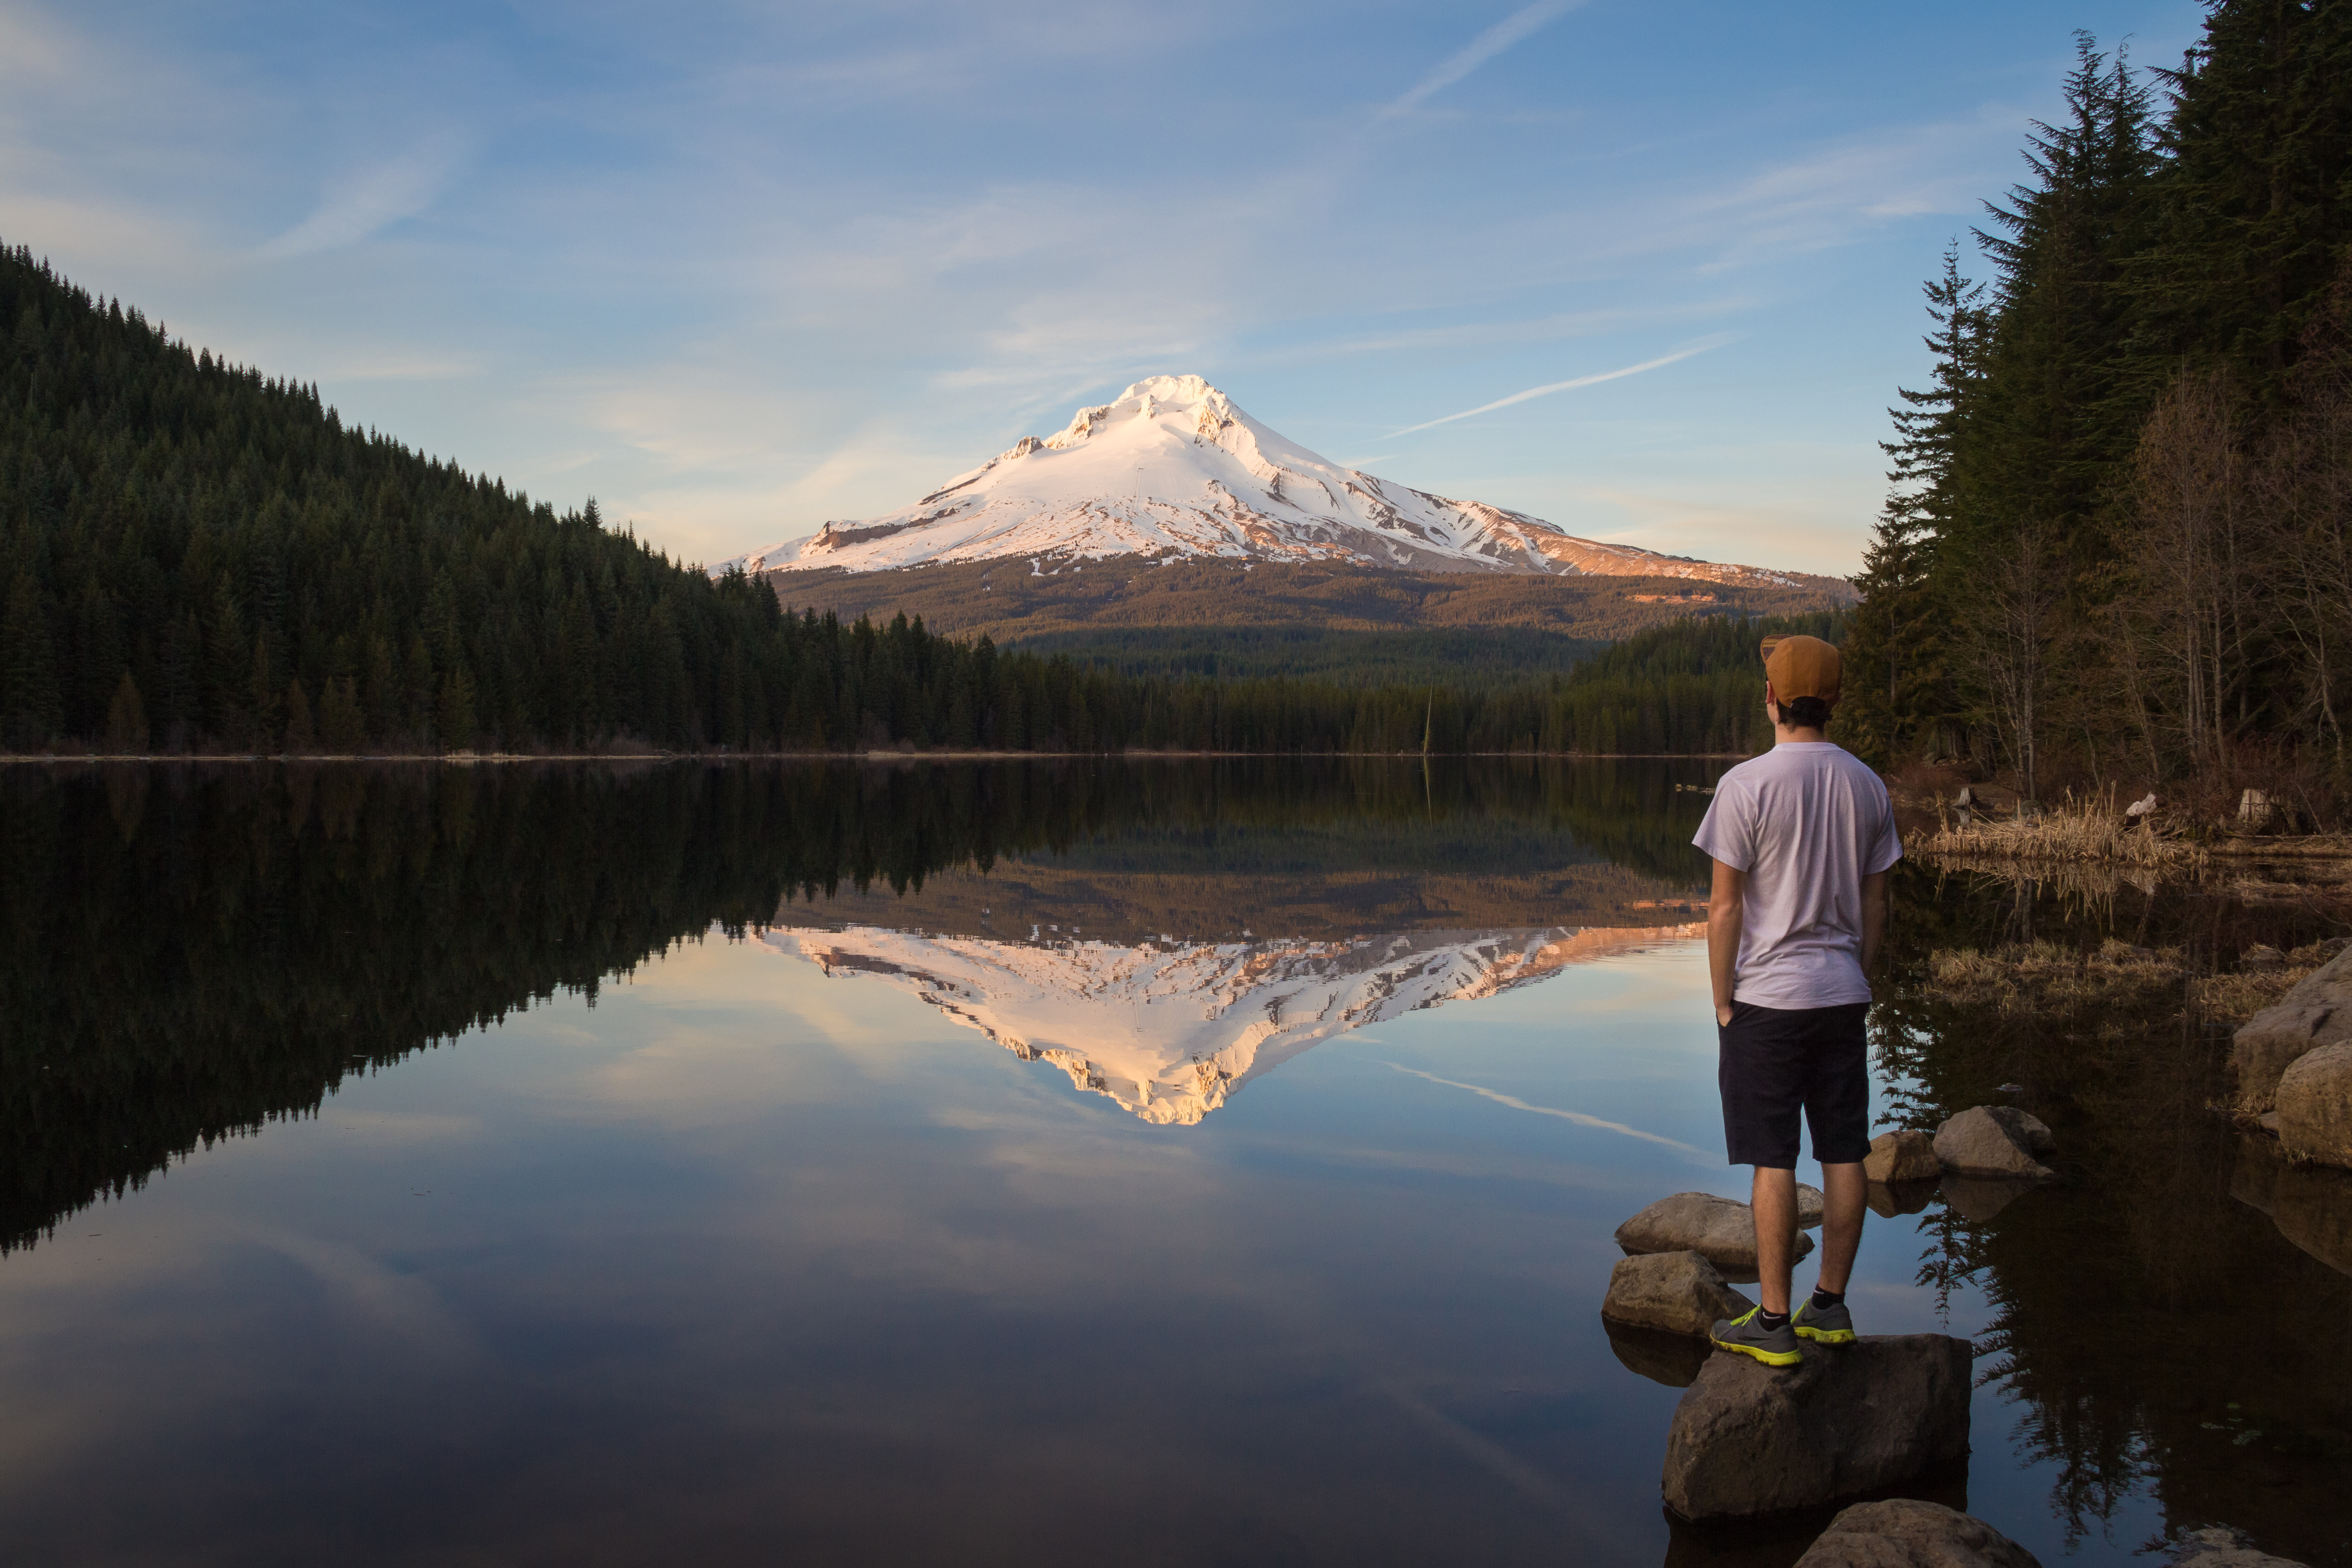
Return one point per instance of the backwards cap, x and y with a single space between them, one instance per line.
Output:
1801 667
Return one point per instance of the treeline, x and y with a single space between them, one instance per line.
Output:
1433 655
2117 544
202 559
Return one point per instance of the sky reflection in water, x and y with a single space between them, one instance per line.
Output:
759 1258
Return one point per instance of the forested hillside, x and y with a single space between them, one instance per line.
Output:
2117 543
200 558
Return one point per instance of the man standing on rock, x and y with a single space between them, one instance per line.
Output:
1802 838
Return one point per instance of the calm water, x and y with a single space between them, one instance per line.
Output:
1038 1164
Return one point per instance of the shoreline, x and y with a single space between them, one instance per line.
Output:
469 757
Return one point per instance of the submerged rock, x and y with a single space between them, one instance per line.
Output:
1995 1141
2316 1011
1673 1359
1890 1200
1902 1532
1749 1438
1676 1293
2223 1547
1719 1229
2315 1106
1905 1155
2311 1204
1980 1198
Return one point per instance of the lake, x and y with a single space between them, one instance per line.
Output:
1045 1162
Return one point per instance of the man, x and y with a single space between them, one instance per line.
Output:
1802 838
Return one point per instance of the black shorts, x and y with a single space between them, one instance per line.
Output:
1778 1061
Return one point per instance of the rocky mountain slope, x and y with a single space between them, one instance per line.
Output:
1173 471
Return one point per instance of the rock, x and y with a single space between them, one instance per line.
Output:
1901 1533
1994 1141
1812 1204
1978 1199
2315 1106
1673 1359
1717 1228
1749 1438
1907 1156
1887 1201
1679 1292
2311 1204
2223 1547
2261 956
2315 1011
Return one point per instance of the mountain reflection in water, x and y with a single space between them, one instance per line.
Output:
1170 1029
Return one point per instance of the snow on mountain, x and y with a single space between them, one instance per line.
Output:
1174 469
1170 1030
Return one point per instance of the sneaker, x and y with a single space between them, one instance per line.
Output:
1746 1336
1823 1325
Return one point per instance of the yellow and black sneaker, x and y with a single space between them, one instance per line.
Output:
1747 1335
1824 1325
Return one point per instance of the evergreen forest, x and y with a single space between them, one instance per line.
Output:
2117 549
203 559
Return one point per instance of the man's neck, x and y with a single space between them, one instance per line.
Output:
1797 735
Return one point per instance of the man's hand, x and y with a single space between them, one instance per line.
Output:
1723 927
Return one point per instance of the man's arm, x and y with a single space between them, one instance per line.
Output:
1874 919
1723 927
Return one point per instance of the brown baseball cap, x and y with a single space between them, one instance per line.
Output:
1801 667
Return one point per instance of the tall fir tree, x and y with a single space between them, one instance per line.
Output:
1898 680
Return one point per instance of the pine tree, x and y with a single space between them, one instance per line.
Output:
1896 680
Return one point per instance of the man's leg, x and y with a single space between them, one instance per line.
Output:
1773 1202
1843 1188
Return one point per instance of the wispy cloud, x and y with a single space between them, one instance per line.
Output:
369 199
1512 29
1701 347
1579 1117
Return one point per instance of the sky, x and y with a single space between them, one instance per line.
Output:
1648 270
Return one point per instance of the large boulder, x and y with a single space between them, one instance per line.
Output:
2223 1547
1749 1438
1995 1141
1719 1229
1812 1206
1904 1532
1905 1155
2311 1204
1680 1293
2317 1012
2315 1106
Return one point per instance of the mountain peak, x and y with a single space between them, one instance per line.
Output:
1172 469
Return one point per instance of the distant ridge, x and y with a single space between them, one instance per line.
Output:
1173 470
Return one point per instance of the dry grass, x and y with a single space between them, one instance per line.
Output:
2041 977
2077 832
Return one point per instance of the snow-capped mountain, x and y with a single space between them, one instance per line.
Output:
1170 1030
1171 470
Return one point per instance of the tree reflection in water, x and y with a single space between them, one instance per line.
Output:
2153 1327
196 950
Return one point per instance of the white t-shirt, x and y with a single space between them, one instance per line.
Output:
1807 821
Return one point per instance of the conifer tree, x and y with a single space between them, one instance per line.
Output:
1896 682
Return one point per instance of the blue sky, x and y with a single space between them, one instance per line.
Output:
737 269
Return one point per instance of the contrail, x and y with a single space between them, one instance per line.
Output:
1701 347
1579 1117
1479 50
